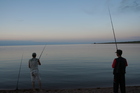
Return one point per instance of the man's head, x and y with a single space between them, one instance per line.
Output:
33 55
119 52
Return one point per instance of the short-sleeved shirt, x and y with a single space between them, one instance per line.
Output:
34 64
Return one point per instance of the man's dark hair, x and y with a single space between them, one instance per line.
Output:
34 55
119 52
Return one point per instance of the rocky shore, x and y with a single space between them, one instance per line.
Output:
129 89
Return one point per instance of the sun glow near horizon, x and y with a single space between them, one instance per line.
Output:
68 21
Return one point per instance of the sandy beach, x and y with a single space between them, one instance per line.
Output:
129 89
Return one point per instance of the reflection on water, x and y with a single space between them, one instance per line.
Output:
68 66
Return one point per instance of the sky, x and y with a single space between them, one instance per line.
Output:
69 21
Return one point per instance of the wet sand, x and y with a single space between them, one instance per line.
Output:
129 89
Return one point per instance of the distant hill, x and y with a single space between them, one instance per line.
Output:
125 42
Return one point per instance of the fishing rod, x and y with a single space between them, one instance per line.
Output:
19 72
112 28
42 51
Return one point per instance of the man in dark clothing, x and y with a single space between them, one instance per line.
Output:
119 65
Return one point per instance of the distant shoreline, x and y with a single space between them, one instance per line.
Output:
126 42
21 43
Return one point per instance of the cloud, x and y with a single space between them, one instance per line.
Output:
20 20
89 12
130 6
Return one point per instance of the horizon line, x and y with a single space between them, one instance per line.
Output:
12 43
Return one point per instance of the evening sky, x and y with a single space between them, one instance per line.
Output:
69 21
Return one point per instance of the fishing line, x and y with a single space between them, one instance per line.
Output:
19 72
112 28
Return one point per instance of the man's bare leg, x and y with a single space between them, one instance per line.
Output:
33 85
40 85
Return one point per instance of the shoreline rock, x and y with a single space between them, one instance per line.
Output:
129 89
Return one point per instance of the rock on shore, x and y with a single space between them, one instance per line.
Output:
129 89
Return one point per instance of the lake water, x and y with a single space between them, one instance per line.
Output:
68 66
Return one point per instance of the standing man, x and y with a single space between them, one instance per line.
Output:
34 71
119 65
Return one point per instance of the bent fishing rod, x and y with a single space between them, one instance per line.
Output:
112 28
42 51
19 72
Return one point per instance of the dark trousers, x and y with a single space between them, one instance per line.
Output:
119 80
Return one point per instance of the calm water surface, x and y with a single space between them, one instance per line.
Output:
68 66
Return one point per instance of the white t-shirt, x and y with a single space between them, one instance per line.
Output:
33 64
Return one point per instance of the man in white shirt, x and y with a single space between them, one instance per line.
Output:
33 65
